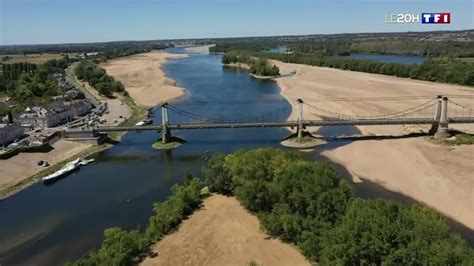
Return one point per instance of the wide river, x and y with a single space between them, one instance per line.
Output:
50 225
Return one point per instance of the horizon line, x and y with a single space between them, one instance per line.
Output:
237 37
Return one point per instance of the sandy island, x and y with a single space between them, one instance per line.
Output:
223 233
143 77
200 49
438 176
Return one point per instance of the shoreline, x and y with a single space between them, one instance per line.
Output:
137 112
13 189
418 169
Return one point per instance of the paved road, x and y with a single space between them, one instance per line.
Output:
70 78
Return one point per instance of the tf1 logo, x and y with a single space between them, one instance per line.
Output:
424 18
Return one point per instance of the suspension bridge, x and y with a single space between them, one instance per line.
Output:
433 111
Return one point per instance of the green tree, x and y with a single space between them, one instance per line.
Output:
218 178
390 233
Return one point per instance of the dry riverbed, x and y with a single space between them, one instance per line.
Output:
438 176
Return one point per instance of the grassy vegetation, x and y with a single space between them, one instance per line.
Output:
459 138
174 142
165 146
467 59
51 169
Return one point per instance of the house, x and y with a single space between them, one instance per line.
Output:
9 133
80 107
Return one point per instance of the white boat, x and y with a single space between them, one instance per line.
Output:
69 167
75 162
61 172
86 162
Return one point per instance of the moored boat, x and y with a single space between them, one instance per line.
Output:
87 161
68 168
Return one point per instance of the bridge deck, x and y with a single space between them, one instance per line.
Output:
306 123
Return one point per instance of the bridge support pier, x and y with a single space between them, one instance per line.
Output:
442 130
167 142
301 139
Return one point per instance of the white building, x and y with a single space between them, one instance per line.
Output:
41 117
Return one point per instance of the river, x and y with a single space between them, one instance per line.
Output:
50 225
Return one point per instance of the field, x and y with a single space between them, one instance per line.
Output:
31 58
467 59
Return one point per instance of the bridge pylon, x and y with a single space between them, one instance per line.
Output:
442 130
437 116
166 132
300 119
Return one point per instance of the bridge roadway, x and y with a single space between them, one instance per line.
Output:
306 123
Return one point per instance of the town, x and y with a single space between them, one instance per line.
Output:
36 125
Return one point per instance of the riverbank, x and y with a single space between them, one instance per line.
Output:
222 232
432 174
144 78
22 171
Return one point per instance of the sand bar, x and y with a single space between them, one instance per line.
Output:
438 176
223 233
144 78
201 48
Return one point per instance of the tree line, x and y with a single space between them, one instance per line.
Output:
107 48
30 84
257 66
98 78
433 44
307 204
441 69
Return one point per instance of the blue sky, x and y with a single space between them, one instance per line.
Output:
70 21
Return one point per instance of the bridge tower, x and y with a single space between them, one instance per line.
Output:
437 116
165 132
300 119
442 131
